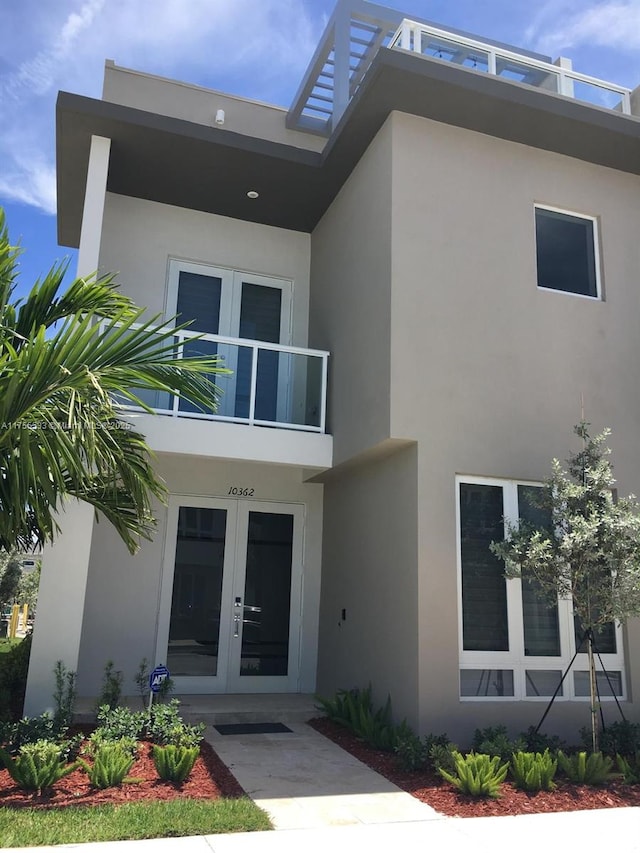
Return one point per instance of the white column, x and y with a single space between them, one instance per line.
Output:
58 623
93 211
65 564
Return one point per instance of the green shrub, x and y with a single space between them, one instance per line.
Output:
621 738
165 727
442 757
29 730
495 740
111 689
64 695
354 710
37 766
412 752
477 775
581 769
112 761
14 666
534 771
98 740
174 763
630 768
116 723
538 741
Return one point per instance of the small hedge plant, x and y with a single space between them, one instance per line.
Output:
37 766
174 763
477 775
583 769
112 761
534 771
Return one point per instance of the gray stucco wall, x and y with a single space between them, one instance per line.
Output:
139 237
349 312
486 375
370 571
497 366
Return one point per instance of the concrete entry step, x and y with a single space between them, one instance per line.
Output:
226 708
249 708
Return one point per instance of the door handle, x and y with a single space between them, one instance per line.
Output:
236 626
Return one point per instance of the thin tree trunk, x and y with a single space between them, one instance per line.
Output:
593 694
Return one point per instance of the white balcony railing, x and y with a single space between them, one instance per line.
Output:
269 384
480 56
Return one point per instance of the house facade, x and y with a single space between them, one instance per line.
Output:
417 274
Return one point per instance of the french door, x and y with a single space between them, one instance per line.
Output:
231 596
236 305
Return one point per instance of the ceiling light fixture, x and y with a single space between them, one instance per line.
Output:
253 194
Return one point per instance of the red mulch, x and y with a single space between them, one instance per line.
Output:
210 779
440 795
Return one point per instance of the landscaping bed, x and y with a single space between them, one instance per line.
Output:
428 787
210 779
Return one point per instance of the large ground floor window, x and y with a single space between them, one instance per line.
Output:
512 644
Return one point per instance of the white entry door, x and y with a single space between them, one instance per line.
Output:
231 596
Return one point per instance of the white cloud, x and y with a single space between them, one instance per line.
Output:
254 47
613 24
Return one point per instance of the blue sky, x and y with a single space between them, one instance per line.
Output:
255 48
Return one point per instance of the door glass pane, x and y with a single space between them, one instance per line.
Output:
199 301
197 590
484 590
260 316
267 595
541 629
199 305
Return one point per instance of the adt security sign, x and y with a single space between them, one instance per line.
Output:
159 674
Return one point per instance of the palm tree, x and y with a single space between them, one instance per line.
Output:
68 360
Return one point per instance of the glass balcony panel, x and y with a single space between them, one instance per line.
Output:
289 388
522 72
191 349
597 96
452 51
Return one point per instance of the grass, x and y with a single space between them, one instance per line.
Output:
174 818
6 645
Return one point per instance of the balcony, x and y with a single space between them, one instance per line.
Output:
359 30
270 385
559 79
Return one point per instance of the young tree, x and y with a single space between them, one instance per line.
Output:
66 357
590 551
10 577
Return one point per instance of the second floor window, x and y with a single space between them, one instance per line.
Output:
567 252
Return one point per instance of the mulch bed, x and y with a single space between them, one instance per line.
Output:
440 795
210 779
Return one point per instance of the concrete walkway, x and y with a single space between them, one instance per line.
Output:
304 781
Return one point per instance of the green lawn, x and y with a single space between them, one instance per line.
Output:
77 824
6 645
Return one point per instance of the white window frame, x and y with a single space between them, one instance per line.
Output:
596 249
515 660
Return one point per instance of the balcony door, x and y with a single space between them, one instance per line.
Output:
236 305
231 596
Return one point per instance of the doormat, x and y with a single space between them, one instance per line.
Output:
253 729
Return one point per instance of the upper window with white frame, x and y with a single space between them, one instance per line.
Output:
567 252
512 644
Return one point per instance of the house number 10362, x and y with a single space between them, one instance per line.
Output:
241 491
